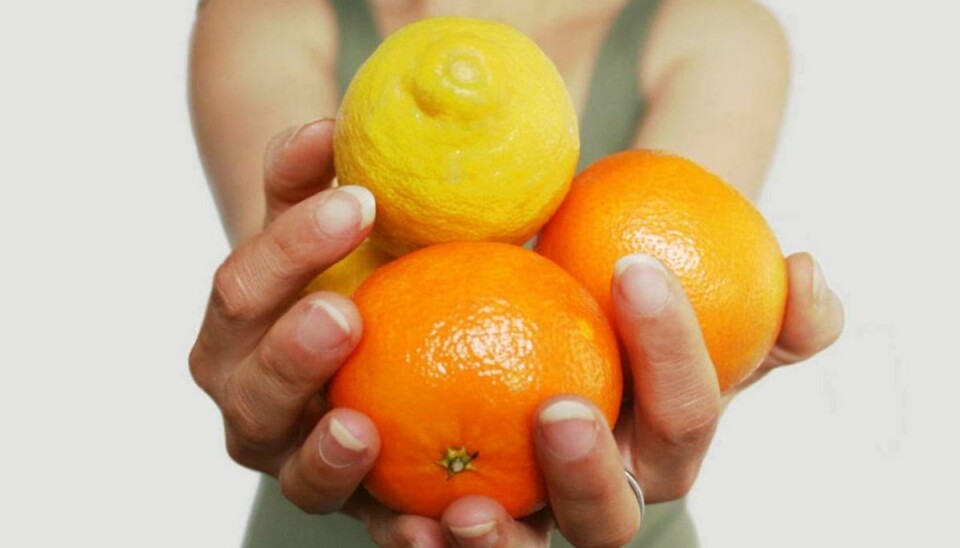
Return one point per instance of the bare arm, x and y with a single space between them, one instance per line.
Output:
256 68
715 74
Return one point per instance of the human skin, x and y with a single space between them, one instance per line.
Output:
715 77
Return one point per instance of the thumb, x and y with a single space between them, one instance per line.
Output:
298 164
675 389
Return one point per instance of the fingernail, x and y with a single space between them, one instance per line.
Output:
480 535
312 129
569 428
643 283
368 204
346 210
819 284
324 327
338 447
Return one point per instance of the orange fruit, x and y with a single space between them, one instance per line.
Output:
462 342
712 238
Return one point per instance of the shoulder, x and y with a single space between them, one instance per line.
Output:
741 34
311 22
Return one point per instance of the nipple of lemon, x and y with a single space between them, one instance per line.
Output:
455 81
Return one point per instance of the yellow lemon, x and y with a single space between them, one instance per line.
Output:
346 275
462 129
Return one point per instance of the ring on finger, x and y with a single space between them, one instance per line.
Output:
635 487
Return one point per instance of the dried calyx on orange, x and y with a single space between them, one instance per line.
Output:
462 342
712 238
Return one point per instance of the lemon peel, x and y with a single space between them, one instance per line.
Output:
462 129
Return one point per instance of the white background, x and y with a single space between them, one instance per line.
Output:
109 238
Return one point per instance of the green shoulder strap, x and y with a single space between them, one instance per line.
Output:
359 37
615 105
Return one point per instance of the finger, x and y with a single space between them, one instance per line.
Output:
265 397
813 319
675 387
407 530
322 475
298 164
388 528
481 522
261 278
588 491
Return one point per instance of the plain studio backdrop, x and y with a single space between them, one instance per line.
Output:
110 238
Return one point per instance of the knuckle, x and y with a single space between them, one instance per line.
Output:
586 494
690 423
779 356
243 453
200 368
675 483
249 429
291 492
309 499
580 513
401 531
289 257
282 173
229 296
681 484
378 532
239 451
279 369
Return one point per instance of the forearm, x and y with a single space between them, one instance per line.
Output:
256 68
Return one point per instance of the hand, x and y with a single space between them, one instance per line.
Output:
263 354
813 320
664 435
676 398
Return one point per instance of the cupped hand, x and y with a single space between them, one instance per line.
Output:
264 353
813 319
676 398
663 433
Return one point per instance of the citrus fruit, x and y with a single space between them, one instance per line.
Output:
462 342
462 129
346 275
713 239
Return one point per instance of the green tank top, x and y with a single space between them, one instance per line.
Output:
613 110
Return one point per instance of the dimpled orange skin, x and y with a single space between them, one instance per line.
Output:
715 241
461 344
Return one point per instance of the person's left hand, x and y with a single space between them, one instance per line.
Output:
661 438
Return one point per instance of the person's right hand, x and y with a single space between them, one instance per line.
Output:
264 353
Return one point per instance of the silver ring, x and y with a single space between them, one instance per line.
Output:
635 486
